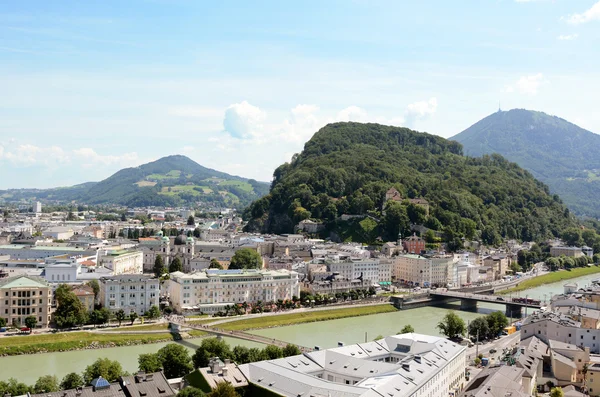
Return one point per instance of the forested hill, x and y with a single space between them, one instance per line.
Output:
168 181
347 168
554 150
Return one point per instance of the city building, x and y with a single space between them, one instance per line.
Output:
560 250
130 292
412 269
62 271
121 261
407 365
211 290
24 296
414 244
372 270
85 294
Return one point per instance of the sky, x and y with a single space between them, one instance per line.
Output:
90 87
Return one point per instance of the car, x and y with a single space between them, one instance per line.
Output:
492 351
499 298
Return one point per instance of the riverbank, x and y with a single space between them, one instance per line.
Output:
304 317
552 277
80 340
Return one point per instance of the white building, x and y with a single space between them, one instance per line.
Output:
121 261
211 290
442 269
62 271
368 269
132 293
58 232
407 365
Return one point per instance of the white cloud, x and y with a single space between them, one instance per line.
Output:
29 155
421 109
244 121
302 124
352 113
528 85
592 14
88 157
568 36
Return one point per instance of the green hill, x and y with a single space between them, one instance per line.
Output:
557 152
169 181
347 168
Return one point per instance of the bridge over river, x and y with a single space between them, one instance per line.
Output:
240 335
469 301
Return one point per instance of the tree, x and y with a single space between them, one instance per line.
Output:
209 348
13 387
132 317
95 287
191 221
572 236
30 322
154 312
479 327
71 381
496 321
149 362
291 350
395 221
553 264
99 316
241 354
272 352
175 360
2 322
584 372
159 266
378 337
46 384
246 258
191 391
215 264
175 265
407 329
557 392
223 389
108 369
120 316
452 326
70 310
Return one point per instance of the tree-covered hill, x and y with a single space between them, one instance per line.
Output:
347 168
555 151
169 181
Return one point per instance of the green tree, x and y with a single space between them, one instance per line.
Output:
159 266
215 264
95 287
557 392
120 316
241 354
223 389
209 348
191 392
553 264
291 350
46 384
572 236
70 310
407 329
13 387
153 313
71 381
175 360
395 221
132 317
479 327
175 265
149 362
452 325
515 268
246 258
99 316
496 321
108 369
378 337
30 322
2 322
191 221
272 352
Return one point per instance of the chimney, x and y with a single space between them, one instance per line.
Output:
225 371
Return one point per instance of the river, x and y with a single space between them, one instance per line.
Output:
28 368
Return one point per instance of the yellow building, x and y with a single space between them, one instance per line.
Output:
24 296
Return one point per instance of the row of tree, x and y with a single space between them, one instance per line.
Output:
486 327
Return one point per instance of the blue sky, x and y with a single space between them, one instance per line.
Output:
89 87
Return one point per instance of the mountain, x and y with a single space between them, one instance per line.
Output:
557 152
347 168
169 181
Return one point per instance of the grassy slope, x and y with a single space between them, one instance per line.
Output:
553 278
304 317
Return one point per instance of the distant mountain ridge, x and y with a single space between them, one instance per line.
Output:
168 181
554 150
